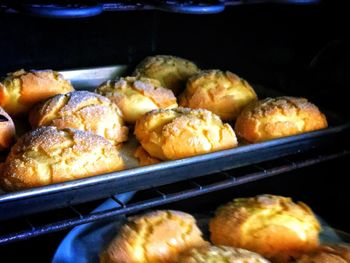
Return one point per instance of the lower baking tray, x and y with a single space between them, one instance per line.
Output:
44 198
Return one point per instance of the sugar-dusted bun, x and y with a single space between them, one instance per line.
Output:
220 254
172 72
144 158
81 110
155 237
183 132
7 130
20 90
272 226
278 117
223 93
136 96
48 155
339 253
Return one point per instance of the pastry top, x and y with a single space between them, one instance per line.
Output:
47 155
339 253
20 90
223 93
81 110
183 132
171 71
220 254
7 130
277 117
136 96
157 236
273 226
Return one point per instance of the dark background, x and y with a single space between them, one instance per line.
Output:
300 50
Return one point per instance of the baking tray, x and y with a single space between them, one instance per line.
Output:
54 196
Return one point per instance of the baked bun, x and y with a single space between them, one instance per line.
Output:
155 237
272 226
172 72
183 132
339 253
20 90
81 110
136 96
48 155
220 254
144 158
278 117
223 93
7 130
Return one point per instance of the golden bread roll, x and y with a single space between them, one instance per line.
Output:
48 155
339 253
136 96
7 130
155 237
220 254
144 158
278 117
183 132
223 93
20 90
273 226
81 110
172 72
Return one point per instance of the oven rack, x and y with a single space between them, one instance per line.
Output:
71 216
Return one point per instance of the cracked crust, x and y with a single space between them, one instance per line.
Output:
81 110
7 130
272 226
20 90
172 72
220 254
155 237
137 96
339 253
144 158
48 155
278 117
183 132
223 93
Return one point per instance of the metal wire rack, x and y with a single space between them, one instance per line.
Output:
52 221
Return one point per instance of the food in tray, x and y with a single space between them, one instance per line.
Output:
144 158
272 226
339 253
20 90
220 254
278 117
81 110
7 130
48 155
137 96
157 236
221 92
182 132
171 71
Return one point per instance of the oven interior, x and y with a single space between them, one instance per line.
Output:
299 50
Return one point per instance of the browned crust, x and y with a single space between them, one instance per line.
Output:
339 253
81 110
183 132
261 224
144 158
223 93
157 236
278 117
171 71
20 90
48 155
7 130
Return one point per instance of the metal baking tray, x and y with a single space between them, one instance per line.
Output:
16 204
